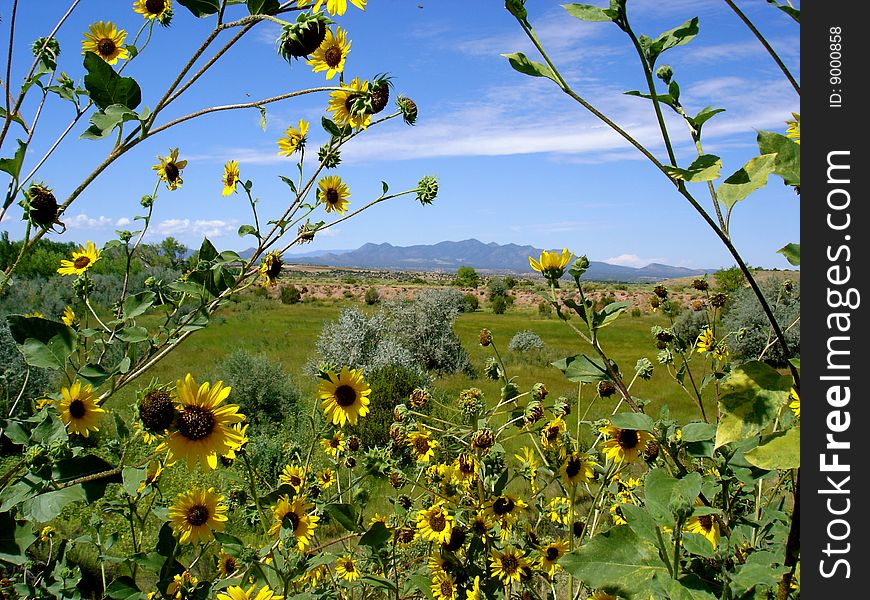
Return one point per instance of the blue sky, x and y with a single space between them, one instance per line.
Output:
517 160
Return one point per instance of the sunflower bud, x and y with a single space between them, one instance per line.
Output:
156 410
419 398
577 528
350 462
303 37
397 434
353 443
654 302
305 233
427 189
83 286
405 502
644 368
665 73
562 407
41 205
328 156
47 47
485 337
651 452
379 92
408 108
533 413
397 480
509 391
697 305
483 439
400 413
606 389
701 285
718 300
661 291
539 391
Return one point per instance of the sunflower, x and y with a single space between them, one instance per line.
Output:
558 510
334 445
334 193
153 9
79 410
345 397
230 178
577 468
481 525
473 593
551 264
720 352
68 317
271 267
509 564
551 434
444 586
706 341
195 513
795 404
294 516
345 567
617 514
331 54
203 429
341 104
152 474
227 564
325 478
434 523
294 476
422 444
294 139
315 576
181 582
624 444
82 259
794 128
335 7
106 41
467 467
235 592
550 555
169 170
505 510
705 525
528 466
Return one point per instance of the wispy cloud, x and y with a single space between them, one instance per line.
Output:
200 227
633 260
83 221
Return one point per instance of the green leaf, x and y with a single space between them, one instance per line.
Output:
689 587
106 87
104 121
750 398
376 536
781 450
633 420
248 230
640 522
207 251
581 368
81 466
201 8
123 588
762 568
131 477
587 12
522 64
15 537
47 506
138 304
132 335
752 176
379 582
608 314
345 515
617 560
96 375
330 127
672 38
663 98
50 429
788 155
704 115
13 165
263 7
794 13
704 168
698 432
792 253
44 343
658 486
685 492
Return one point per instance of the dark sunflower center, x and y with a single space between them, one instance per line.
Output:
421 445
196 423
348 566
509 564
331 196
446 588
503 506
106 47
457 538
274 267
295 481
466 465
573 467
155 7
77 409
197 515
291 519
172 172
552 553
81 262
437 522
628 438
479 527
345 395
706 522
332 56
334 443
552 433
230 564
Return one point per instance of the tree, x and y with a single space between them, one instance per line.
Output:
466 277
174 251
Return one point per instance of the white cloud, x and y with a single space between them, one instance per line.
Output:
122 222
200 227
633 260
83 221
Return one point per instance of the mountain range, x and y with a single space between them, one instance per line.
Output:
491 257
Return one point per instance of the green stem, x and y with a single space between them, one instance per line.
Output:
254 491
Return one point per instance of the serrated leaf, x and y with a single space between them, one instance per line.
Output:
752 176
106 87
792 253
581 368
44 343
750 398
704 168
587 12
781 450
201 8
521 63
788 155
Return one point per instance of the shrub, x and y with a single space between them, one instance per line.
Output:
466 277
391 385
471 304
525 341
496 288
545 309
261 387
290 294
729 280
15 379
372 296
499 305
746 316
270 448
636 312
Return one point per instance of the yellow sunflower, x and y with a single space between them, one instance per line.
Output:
331 54
624 444
106 41
204 425
795 404
230 178
169 170
466 468
82 259
333 446
153 9
335 7
444 586
294 139
706 342
481 526
422 443
79 410
550 555
551 434
341 104
505 510
195 513
344 397
294 515
333 192
794 128
68 317
270 268
600 595
152 474
294 476
435 523
559 510
508 565
325 478
473 593
227 564
345 567
705 525
235 592
577 468
551 264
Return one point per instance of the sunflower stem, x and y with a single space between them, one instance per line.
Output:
253 486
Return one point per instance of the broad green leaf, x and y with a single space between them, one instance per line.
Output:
43 343
207 251
522 64
131 477
781 450
201 8
750 398
263 7
672 38
50 429
762 568
132 335
247 230
96 375
684 493
15 537
581 368
376 536
792 253
45 507
104 121
704 115
663 98
752 176
138 304
106 87
640 522
13 165
617 560
658 486
608 314
698 432
587 12
123 588
345 514
330 127
633 420
80 466
788 155
689 587
704 168
379 582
